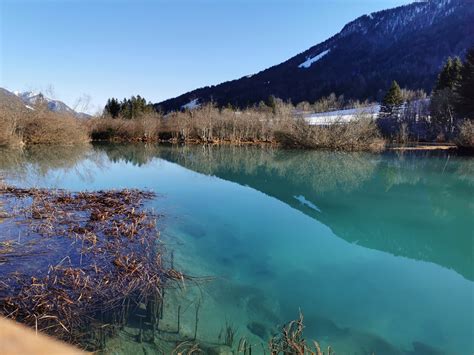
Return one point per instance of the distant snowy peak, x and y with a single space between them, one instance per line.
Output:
311 60
32 98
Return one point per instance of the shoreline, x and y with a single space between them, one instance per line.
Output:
419 146
394 148
424 146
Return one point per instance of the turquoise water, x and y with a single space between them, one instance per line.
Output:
376 250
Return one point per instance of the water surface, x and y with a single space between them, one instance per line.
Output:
376 250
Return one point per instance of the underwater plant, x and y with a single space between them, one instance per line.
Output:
290 341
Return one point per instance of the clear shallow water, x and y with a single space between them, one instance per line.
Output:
376 250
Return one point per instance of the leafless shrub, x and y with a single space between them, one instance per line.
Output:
9 135
334 103
403 134
10 116
20 125
359 134
210 124
145 128
277 124
466 134
47 127
329 103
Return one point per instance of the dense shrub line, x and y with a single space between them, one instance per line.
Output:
279 124
39 125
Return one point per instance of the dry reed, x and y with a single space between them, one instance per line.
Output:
103 261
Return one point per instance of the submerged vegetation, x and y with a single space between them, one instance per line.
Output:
291 341
83 266
79 264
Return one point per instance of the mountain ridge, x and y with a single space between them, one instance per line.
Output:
407 43
32 98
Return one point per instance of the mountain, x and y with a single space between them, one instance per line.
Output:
31 98
407 43
10 103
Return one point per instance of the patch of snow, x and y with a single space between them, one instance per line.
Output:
191 105
31 98
27 95
314 59
29 107
306 202
341 116
371 16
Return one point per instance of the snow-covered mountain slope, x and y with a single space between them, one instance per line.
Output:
9 102
33 98
408 44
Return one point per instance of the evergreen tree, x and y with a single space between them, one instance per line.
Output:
271 102
130 108
390 111
450 74
443 76
456 73
393 101
445 97
465 104
112 107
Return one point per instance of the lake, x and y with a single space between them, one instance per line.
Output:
376 250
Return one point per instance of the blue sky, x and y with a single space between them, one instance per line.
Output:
158 49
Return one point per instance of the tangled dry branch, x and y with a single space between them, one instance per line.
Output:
87 259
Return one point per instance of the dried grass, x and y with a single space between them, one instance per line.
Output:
104 260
